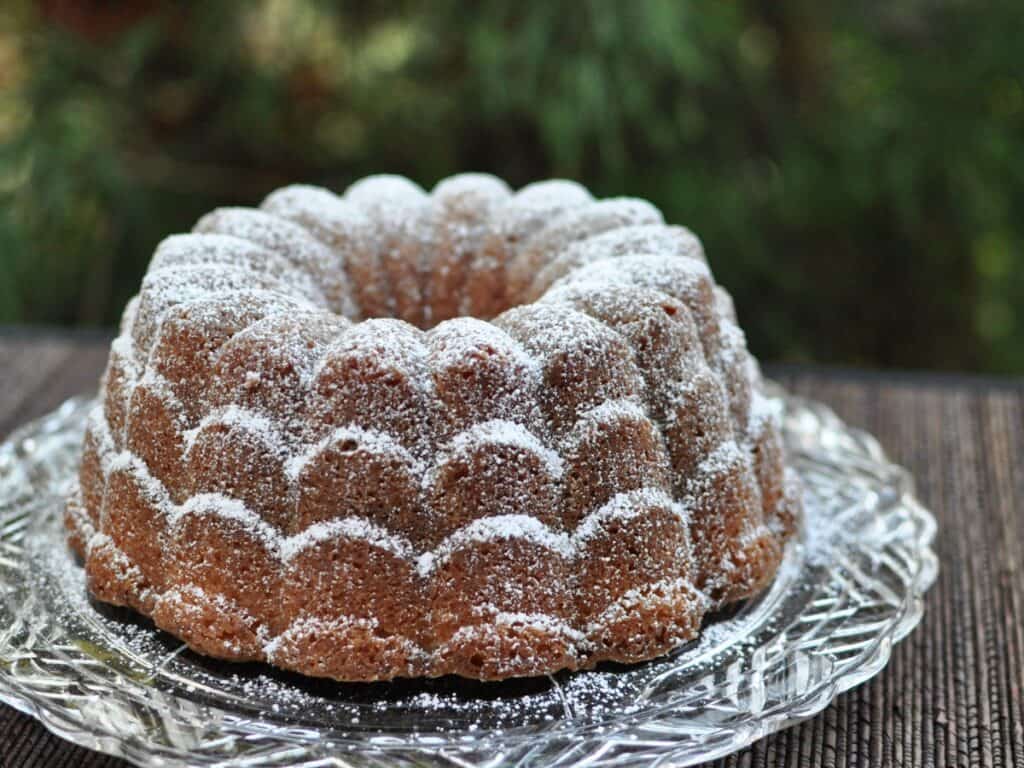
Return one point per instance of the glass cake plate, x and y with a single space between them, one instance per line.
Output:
106 679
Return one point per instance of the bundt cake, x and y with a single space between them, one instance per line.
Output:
399 434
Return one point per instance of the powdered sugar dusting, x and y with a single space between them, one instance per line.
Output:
627 506
655 270
623 508
454 190
671 591
384 189
151 488
539 622
322 212
506 433
365 440
240 418
536 204
672 241
726 456
585 221
287 239
166 288
611 411
765 413
455 341
206 249
226 508
346 528
491 529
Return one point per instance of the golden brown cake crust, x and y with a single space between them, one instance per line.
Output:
306 453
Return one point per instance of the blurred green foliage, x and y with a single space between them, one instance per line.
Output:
855 169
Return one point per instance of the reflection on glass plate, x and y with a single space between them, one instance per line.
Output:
103 678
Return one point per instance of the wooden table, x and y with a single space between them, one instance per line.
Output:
953 693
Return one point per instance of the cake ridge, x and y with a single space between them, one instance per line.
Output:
293 241
637 238
347 527
506 433
621 607
504 526
233 415
366 440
